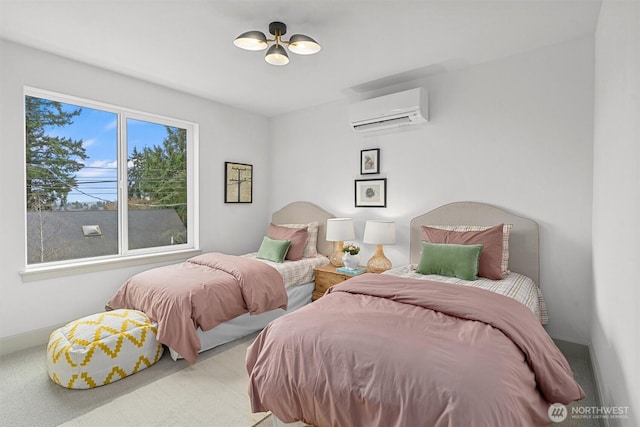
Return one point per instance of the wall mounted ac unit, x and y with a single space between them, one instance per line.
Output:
390 111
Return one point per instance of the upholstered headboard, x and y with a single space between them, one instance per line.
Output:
304 213
523 241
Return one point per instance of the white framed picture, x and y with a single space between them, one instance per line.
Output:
371 193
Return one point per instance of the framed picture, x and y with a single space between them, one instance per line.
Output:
369 161
371 193
238 183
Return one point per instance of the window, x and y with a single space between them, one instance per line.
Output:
104 181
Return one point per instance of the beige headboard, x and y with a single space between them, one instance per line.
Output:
304 213
523 241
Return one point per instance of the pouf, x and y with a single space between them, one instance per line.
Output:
102 348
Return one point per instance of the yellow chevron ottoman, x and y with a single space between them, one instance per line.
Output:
102 348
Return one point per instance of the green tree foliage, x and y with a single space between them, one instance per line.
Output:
158 175
51 161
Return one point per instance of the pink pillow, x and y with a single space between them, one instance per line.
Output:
491 239
298 237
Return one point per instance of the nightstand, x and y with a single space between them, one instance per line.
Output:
326 277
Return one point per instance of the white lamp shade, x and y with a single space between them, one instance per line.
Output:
379 232
340 229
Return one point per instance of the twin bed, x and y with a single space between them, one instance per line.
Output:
409 349
413 346
179 297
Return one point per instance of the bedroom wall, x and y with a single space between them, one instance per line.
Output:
615 327
516 133
226 134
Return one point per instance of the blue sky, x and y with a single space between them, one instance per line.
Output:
98 130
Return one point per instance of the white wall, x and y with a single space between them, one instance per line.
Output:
615 328
515 133
226 134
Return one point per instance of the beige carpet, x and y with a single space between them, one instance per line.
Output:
270 421
215 387
215 391
267 422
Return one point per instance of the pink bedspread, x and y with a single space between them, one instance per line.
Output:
380 350
203 291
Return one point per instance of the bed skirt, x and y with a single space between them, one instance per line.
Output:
245 324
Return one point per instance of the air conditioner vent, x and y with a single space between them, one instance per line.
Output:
390 111
405 120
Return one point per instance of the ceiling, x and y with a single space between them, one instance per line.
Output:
188 44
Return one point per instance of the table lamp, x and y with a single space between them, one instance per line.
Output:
339 230
379 233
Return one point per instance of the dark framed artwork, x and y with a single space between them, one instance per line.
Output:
238 182
371 193
369 161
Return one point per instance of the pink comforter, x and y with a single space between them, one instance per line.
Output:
203 291
379 350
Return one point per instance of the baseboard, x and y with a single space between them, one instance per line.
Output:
26 340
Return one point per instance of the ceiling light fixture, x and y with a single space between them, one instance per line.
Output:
277 55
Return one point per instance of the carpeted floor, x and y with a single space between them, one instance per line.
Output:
266 422
583 374
157 396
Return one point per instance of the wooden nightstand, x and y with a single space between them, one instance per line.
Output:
326 277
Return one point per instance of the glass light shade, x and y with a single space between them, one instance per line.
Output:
380 232
378 263
251 40
303 45
336 256
276 55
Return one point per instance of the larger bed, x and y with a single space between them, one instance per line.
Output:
192 301
395 350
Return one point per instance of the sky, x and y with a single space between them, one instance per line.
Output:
97 181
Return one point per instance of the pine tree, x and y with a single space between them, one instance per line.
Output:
158 175
51 161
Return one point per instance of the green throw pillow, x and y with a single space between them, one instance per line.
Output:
273 249
451 260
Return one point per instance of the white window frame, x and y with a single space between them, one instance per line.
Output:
128 256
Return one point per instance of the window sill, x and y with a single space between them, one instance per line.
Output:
50 272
